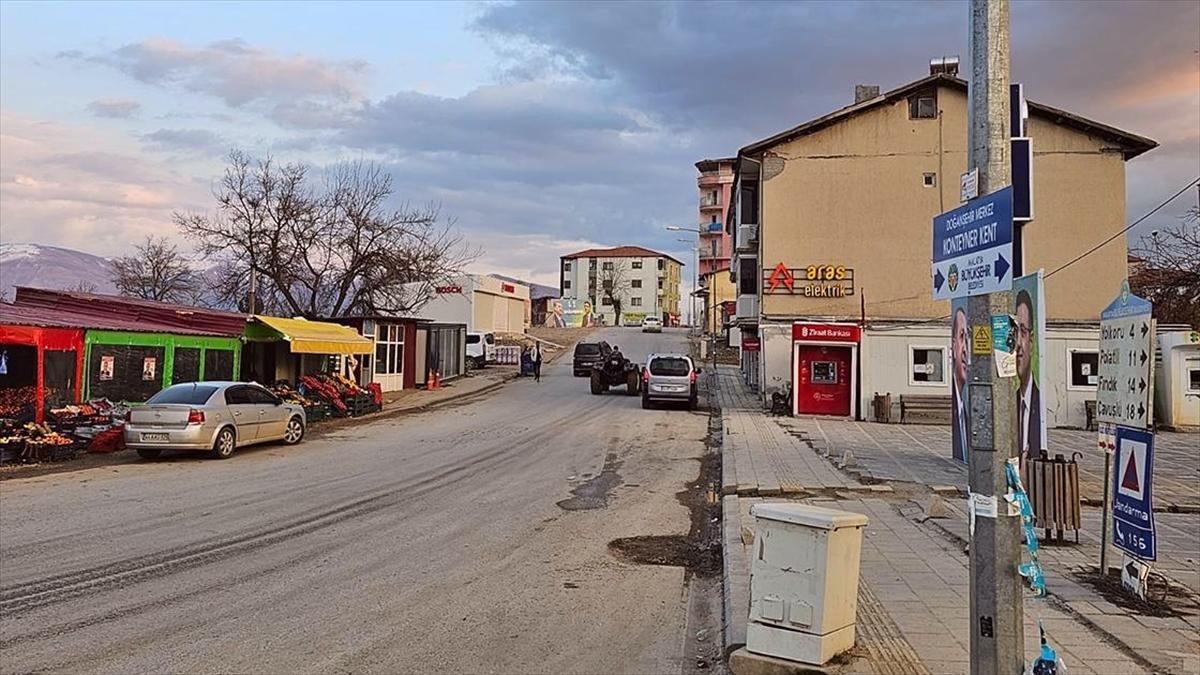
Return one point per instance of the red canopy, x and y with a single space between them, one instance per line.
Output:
47 339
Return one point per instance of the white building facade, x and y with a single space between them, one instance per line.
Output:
643 282
484 303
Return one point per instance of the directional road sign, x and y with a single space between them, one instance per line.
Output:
972 247
1132 489
1126 352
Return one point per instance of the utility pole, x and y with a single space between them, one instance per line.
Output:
997 629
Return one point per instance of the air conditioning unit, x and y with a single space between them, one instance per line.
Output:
747 236
747 307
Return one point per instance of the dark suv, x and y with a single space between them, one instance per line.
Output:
589 353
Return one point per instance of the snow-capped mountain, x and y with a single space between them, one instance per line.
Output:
51 267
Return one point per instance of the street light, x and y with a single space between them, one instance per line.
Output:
695 264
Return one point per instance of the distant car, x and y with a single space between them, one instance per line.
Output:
216 416
652 324
481 349
588 354
670 377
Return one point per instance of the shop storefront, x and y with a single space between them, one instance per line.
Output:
441 350
279 349
391 358
41 367
825 368
133 366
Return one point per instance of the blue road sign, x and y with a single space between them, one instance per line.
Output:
972 247
1132 489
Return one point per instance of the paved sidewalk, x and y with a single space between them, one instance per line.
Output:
920 453
914 580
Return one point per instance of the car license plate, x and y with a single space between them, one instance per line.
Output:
156 438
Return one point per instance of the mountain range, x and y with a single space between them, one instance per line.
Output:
51 267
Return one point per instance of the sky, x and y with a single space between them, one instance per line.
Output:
541 128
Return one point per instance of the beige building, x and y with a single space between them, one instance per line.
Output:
832 223
643 282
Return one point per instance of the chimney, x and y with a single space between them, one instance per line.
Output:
865 92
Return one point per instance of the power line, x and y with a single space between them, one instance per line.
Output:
1102 244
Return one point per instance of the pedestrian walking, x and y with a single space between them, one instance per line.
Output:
537 362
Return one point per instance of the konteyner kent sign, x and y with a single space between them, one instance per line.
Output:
972 247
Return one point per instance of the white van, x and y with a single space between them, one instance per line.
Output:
481 349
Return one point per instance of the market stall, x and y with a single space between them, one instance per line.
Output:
41 364
133 366
313 363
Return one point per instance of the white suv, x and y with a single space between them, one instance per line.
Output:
670 377
481 349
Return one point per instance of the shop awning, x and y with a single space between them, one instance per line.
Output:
318 337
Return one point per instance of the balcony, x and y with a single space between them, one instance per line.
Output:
747 308
747 237
709 179
712 228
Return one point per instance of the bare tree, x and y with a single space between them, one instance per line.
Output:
83 286
327 251
156 271
1169 275
615 283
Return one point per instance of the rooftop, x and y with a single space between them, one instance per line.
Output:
619 252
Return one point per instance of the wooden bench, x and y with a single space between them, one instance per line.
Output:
929 408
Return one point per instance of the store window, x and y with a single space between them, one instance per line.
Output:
218 364
389 349
1085 369
927 365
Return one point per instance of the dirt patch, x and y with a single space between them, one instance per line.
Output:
595 492
700 550
1163 598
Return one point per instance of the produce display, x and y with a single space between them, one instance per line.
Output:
18 402
95 426
343 395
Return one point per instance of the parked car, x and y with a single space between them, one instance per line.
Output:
216 416
652 324
670 377
588 354
481 349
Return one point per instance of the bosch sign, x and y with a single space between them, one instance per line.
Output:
825 332
447 290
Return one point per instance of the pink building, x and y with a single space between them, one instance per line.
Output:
716 185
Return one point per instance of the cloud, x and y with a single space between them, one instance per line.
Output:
185 140
116 108
232 70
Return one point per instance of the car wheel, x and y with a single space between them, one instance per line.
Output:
149 453
294 431
470 365
225 444
597 385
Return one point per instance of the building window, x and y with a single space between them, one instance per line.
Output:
566 284
635 283
927 365
636 264
608 284
712 220
1085 369
635 302
607 265
567 266
660 284
1194 380
923 105
592 263
930 180
389 349
606 301
662 264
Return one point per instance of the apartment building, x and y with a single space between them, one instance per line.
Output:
715 184
832 228
621 285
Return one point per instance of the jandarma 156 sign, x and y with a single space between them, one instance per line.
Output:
811 281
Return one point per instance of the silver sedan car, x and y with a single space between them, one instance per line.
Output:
216 416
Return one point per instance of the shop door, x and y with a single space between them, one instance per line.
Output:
823 379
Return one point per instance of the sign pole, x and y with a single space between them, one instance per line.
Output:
997 629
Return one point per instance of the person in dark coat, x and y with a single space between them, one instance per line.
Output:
537 362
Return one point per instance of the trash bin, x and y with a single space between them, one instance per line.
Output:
803 581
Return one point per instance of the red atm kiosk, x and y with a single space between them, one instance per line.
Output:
825 358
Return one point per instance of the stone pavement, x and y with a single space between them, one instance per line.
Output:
914 579
920 453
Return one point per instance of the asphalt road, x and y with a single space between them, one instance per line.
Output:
433 542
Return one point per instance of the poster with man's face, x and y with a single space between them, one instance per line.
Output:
149 365
1030 337
106 367
960 359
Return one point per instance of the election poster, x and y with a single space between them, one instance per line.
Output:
1030 313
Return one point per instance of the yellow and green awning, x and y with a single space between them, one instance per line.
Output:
312 337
